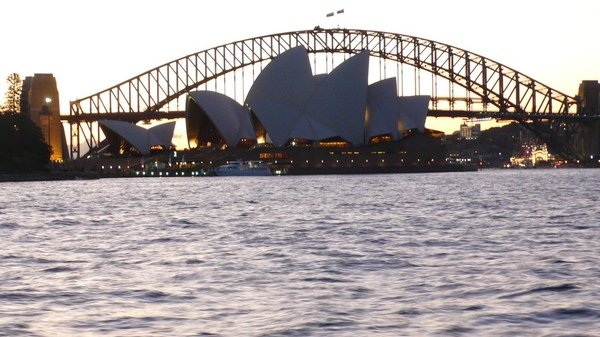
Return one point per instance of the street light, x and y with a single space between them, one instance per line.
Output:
45 106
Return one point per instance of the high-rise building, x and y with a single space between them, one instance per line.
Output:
476 130
465 131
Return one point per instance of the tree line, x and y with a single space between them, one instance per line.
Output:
22 144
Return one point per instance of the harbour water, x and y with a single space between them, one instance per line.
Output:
489 253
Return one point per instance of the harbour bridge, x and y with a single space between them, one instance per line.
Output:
461 84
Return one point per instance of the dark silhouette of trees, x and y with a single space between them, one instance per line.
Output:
22 145
12 101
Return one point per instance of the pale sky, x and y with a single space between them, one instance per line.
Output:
90 45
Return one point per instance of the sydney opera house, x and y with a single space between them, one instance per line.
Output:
304 123
122 136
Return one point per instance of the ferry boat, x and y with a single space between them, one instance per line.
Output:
244 168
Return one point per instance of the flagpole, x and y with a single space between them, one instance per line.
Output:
334 13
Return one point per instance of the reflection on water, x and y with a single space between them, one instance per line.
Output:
494 253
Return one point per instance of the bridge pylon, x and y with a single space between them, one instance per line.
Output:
588 134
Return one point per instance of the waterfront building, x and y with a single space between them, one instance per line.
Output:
533 155
287 105
324 123
126 138
300 123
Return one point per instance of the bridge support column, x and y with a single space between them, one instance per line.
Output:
42 106
588 140
588 135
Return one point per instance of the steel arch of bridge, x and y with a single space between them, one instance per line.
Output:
512 94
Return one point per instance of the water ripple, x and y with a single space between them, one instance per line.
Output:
558 288
365 255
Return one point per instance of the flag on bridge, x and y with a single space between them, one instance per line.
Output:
330 14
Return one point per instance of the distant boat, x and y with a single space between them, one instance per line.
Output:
244 168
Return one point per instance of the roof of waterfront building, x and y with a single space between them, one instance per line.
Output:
286 101
140 138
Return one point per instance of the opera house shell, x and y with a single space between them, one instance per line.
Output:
287 105
125 137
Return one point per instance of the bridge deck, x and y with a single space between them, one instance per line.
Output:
141 116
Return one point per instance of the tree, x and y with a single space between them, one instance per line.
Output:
12 101
23 146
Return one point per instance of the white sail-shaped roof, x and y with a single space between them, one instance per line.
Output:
164 133
229 117
382 109
287 80
309 128
413 112
140 138
278 119
279 97
340 100
291 103
318 78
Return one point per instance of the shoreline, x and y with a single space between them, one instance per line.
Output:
48 176
87 175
